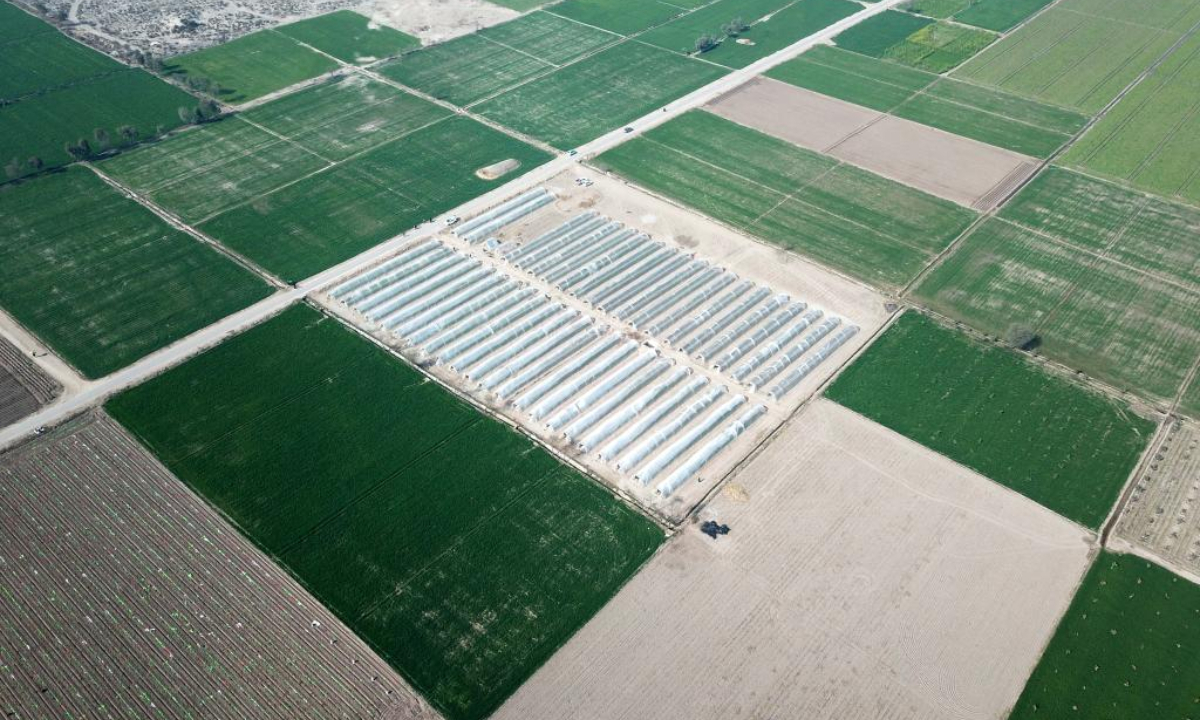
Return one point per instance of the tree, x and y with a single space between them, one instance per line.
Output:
13 168
735 27
1022 337
35 163
208 109
188 115
81 149
102 138
128 133
704 43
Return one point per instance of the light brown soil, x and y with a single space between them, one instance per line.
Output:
864 577
497 170
789 113
125 596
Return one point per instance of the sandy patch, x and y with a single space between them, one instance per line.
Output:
498 170
865 577
789 113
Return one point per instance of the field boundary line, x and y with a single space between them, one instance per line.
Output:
1161 431
520 51
288 140
177 223
1188 381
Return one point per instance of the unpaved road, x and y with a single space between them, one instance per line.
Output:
92 393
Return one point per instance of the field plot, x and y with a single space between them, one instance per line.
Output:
176 617
549 37
624 16
349 37
1125 649
23 387
1190 402
464 70
101 279
1160 517
863 576
1151 139
45 61
252 66
998 15
1105 276
328 217
680 34
597 94
984 114
1049 439
871 228
1082 53
461 551
16 24
915 41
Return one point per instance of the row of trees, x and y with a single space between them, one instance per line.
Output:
731 29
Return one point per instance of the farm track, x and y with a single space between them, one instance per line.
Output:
175 612
97 391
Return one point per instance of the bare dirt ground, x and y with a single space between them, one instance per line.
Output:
958 169
126 596
863 577
802 118
1161 515
23 387
664 222
171 28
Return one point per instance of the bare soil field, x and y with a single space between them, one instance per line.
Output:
863 576
126 596
959 169
1160 517
170 28
697 238
23 387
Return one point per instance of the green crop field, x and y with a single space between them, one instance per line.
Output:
16 24
252 66
349 37
1126 648
460 550
203 172
600 93
875 229
1082 53
331 216
1105 276
626 17
680 34
1190 402
1151 139
998 15
876 35
520 5
940 46
782 29
980 113
548 37
47 60
102 280
1054 441
464 70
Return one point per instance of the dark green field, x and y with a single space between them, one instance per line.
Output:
583 101
875 229
1128 647
915 41
876 35
785 27
44 61
305 227
252 66
349 37
999 15
986 407
1104 275
460 550
991 116
680 34
102 280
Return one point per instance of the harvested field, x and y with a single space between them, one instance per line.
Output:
958 169
1160 516
459 549
127 596
101 279
203 172
597 94
54 91
1052 440
350 37
924 607
314 223
1151 139
23 387
1106 277
871 228
252 66
972 111
1083 53
623 16
1125 649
